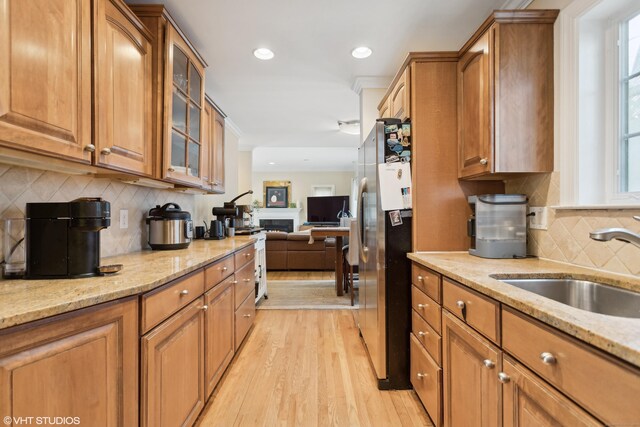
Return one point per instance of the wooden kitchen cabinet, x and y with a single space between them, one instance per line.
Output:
45 77
81 364
529 401
470 366
172 365
505 96
213 148
217 150
178 103
383 108
399 105
123 70
219 332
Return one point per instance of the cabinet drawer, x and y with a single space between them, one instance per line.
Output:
429 338
480 312
576 369
244 319
427 281
245 283
218 271
427 308
245 255
160 303
426 378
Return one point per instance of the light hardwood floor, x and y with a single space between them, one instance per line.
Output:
301 275
307 368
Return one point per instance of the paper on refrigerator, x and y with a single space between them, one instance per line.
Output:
395 186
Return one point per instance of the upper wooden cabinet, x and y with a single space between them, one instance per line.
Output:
82 364
505 96
45 77
123 83
399 106
383 109
213 148
178 90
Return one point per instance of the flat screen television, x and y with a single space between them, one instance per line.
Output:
326 208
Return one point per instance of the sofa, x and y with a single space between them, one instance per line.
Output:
292 251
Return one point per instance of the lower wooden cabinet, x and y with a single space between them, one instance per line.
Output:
173 389
83 364
219 332
244 319
426 378
471 387
529 401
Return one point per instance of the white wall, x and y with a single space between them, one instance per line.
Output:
301 183
232 174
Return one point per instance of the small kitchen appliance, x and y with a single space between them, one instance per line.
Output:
63 239
498 225
169 227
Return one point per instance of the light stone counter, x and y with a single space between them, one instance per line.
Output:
23 301
615 335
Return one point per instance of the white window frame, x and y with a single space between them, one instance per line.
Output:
567 98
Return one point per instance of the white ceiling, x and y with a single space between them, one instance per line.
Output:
296 99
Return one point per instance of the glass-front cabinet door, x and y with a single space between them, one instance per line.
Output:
184 96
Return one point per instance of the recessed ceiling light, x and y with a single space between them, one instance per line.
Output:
361 52
263 53
272 163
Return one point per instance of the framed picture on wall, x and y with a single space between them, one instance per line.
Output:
277 197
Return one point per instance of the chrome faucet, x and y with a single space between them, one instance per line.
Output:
622 234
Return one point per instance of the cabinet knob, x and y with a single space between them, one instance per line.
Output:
246 280
184 292
420 278
423 305
460 304
211 183
90 148
247 315
224 268
420 375
488 363
171 169
105 151
483 161
247 254
503 378
422 333
205 307
548 358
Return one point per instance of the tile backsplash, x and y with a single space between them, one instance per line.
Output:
567 237
19 185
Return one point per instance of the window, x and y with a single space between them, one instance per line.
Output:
629 166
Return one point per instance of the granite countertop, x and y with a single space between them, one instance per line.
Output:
615 335
23 301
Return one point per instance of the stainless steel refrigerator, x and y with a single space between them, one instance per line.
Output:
384 314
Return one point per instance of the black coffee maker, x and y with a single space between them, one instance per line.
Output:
63 239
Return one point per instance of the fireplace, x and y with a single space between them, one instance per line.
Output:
277 225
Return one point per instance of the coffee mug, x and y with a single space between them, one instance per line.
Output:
199 232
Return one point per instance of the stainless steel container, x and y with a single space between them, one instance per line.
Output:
169 227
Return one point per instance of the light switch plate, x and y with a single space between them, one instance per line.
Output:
539 220
124 218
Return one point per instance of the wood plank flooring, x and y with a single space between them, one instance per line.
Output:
307 368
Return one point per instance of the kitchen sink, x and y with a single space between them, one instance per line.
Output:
583 294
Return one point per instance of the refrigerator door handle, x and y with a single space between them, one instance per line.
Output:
363 249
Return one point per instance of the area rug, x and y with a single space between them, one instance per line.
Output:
304 295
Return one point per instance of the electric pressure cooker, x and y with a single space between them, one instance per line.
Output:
169 227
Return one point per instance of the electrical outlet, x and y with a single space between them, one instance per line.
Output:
539 220
124 218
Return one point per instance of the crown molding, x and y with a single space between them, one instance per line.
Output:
229 124
370 82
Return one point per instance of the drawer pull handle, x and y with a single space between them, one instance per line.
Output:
420 278
460 304
421 375
503 378
184 292
235 282
246 280
205 307
247 254
483 161
422 306
246 315
224 268
489 363
423 334
548 358
171 169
